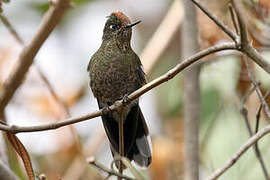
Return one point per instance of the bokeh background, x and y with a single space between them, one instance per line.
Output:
63 60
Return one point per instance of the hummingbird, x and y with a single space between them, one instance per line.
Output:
116 71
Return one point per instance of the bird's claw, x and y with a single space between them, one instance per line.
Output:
106 110
126 99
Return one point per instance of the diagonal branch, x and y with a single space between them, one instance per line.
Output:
92 161
257 151
50 20
156 82
251 141
241 22
222 26
246 47
243 46
258 90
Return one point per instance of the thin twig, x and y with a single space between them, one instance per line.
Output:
110 172
258 116
241 22
233 19
50 20
258 90
246 47
229 32
156 82
250 142
63 106
121 140
10 28
249 92
258 154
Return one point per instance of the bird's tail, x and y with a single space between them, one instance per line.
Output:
141 151
137 144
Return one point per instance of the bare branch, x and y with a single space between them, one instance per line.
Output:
156 82
229 32
233 19
10 28
121 140
241 22
62 105
162 37
92 161
50 20
244 112
243 45
250 142
259 92
246 47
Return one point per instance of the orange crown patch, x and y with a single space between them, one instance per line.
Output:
122 17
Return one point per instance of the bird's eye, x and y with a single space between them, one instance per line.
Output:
114 26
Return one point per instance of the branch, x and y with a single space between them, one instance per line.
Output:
91 160
160 40
257 151
259 92
246 47
121 147
191 93
62 105
156 82
243 46
222 26
251 141
50 20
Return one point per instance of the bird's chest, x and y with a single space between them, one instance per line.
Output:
112 79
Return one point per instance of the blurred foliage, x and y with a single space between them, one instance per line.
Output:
209 104
42 7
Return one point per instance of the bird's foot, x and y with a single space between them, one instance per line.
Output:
106 110
126 100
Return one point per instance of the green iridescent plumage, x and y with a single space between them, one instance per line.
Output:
115 71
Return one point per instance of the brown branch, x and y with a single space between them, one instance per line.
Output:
257 151
246 47
229 32
62 105
50 20
156 82
242 25
10 28
233 19
162 37
243 46
17 37
92 161
121 140
258 90
250 142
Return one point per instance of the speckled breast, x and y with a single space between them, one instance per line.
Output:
112 79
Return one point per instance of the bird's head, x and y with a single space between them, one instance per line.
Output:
118 27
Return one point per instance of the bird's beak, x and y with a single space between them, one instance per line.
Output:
133 24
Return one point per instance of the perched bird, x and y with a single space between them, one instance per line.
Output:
116 71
